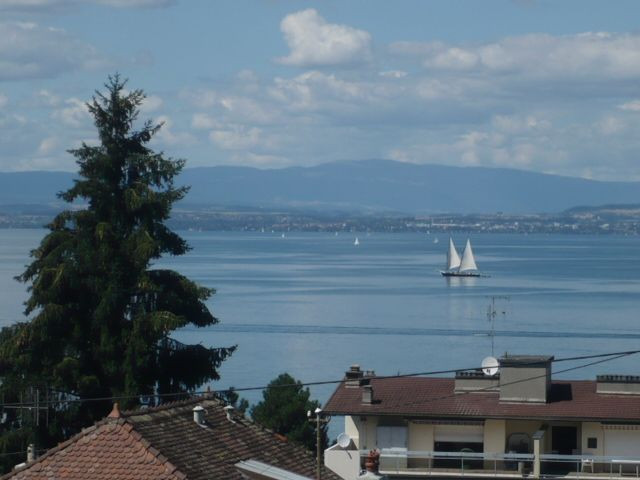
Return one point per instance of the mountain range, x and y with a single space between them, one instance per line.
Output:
366 186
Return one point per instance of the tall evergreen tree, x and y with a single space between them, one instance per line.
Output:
101 317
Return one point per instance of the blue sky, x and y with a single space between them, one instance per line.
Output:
536 85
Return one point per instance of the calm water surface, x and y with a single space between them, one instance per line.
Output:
311 304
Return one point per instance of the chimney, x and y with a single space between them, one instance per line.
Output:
115 412
476 381
525 378
31 452
198 414
352 376
618 384
367 394
229 411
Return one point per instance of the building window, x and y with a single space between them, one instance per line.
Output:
592 442
519 443
392 437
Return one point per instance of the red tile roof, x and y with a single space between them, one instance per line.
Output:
110 450
164 443
435 397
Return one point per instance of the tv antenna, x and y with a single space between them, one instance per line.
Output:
491 316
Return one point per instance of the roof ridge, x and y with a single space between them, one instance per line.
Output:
209 396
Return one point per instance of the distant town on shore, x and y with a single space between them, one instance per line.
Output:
608 219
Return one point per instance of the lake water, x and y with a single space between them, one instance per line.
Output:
312 304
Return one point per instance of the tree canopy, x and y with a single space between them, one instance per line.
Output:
284 408
100 315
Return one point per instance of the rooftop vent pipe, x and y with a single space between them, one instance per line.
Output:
31 452
198 414
229 411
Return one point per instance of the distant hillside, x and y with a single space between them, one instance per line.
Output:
33 188
370 185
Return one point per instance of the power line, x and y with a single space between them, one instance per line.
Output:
23 452
605 356
610 357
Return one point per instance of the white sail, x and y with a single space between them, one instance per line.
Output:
468 262
357 242
453 259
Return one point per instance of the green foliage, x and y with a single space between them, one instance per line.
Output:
101 317
284 408
231 397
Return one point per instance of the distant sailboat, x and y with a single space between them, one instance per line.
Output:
282 236
453 259
457 267
356 242
435 240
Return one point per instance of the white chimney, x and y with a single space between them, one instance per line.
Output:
198 414
229 411
31 452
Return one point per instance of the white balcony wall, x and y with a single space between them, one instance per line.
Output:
344 463
352 426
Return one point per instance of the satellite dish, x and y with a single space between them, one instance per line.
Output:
344 440
490 366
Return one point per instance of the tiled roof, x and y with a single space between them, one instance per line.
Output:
435 397
165 443
110 450
213 450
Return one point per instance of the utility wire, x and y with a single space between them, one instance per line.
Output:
610 357
605 356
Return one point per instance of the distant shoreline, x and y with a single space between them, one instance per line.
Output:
593 221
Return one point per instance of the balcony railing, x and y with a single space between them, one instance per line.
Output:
396 461
400 461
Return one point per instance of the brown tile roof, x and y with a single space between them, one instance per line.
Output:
165 443
110 450
212 451
434 397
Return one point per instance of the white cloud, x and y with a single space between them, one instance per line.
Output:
136 3
245 109
632 106
28 50
75 114
257 160
393 74
236 137
437 89
315 42
538 55
610 125
316 90
454 58
47 146
518 124
202 121
419 49
201 98
168 136
53 5
151 103
47 98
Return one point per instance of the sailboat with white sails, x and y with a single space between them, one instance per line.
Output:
460 267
